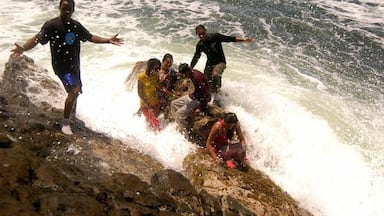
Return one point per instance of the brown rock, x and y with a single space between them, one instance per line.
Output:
247 192
5 142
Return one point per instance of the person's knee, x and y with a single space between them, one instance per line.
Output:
242 153
75 91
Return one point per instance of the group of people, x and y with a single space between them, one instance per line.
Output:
157 90
156 85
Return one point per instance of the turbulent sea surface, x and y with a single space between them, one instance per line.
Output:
308 92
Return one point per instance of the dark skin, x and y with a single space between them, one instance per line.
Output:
66 11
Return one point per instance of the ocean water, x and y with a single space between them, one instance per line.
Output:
308 92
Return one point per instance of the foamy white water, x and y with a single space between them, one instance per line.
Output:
307 140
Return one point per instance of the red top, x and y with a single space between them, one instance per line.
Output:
202 92
221 139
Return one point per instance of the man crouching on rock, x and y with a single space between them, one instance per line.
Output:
222 145
64 35
196 102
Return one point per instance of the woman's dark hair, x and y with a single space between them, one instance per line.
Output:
152 63
73 5
167 56
230 118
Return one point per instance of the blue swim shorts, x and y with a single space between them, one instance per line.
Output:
69 80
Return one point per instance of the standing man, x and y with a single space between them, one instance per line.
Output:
64 35
195 102
210 44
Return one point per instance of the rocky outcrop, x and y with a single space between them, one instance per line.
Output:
239 192
43 172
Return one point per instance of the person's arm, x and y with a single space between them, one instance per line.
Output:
29 44
140 92
196 56
240 135
213 133
163 78
247 39
226 38
113 40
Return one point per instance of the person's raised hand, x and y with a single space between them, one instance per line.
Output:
115 40
17 51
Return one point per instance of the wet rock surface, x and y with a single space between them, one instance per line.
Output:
43 172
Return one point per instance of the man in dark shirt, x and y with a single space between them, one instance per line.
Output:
64 35
210 44
195 102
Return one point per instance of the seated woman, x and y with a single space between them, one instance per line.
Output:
167 78
147 89
219 142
